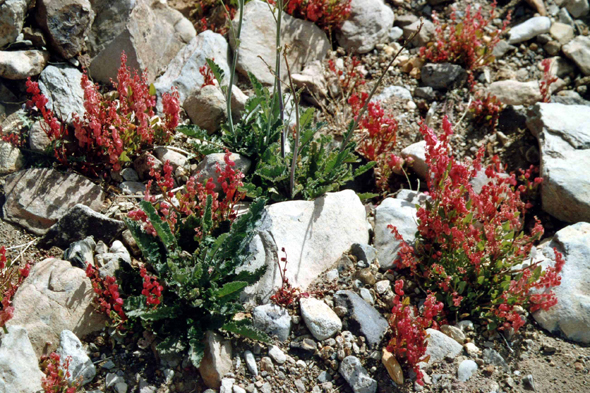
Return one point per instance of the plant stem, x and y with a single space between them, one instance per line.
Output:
297 130
233 66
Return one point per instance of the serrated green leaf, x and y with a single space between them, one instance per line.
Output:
230 288
245 329
150 247
162 228
217 71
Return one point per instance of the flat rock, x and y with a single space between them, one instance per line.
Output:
304 228
563 132
22 64
273 320
363 319
81 367
61 85
19 367
78 223
55 297
12 18
529 29
440 346
319 318
305 40
37 198
11 158
571 315
441 75
175 158
578 50
368 25
357 377
513 92
217 360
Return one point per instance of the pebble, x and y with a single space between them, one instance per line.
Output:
251 363
466 369
267 365
277 354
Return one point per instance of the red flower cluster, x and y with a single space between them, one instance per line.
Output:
486 109
9 285
152 289
285 295
107 296
56 375
208 10
208 77
470 245
327 14
547 81
409 329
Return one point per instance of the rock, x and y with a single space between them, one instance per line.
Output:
402 215
440 346
273 320
78 223
571 315
132 187
472 349
393 91
277 355
109 262
305 40
577 8
144 163
81 253
12 17
312 79
569 97
466 369
319 318
38 139
18 362
356 375
417 154
364 252
395 33
563 132
578 50
145 33
425 35
61 85
207 108
513 92
165 154
67 23
492 357
453 332
529 29
207 168
217 360
183 71
37 198
367 26
562 32
363 318
393 367
22 64
304 228
502 48
441 75
227 385
528 382
80 365
251 363
11 158
55 297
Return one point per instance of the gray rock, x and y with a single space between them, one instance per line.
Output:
80 253
66 22
37 198
129 174
144 163
22 64
578 50
363 318
513 92
569 97
207 108
441 75
108 263
563 132
453 332
207 168
277 355
11 158
61 85
78 223
81 367
529 29
217 360
425 92
132 187
38 139
366 296
18 363
368 25
492 357
251 363
227 385
395 33
440 346
562 32
394 91
357 377
502 48
109 21
571 315
319 318
405 20
577 8
273 320
175 158
305 40
425 35
364 252
312 79
466 369
12 17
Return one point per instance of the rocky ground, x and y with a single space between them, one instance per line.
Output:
331 340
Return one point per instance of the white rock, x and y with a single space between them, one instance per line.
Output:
277 355
132 187
164 154
319 318
578 50
332 275
571 314
357 377
251 363
366 295
453 332
466 369
22 64
19 367
439 346
472 349
393 91
80 366
417 152
529 29
11 158
227 385
273 320
61 85
217 361
382 286
369 24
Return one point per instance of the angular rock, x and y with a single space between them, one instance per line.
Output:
491 356
363 318
109 262
132 187
312 79
304 228
81 253
562 32
319 318
22 64
207 168
425 34
78 223
357 377
364 252
441 75
18 363
453 332
55 297
571 315
38 139
175 158
466 369
37 198
305 40
12 18
578 50
144 163
273 320
207 108
529 29
61 85
417 153
501 49
217 360
513 92
277 355
563 132
67 23
11 158
109 21
577 8
81 367
440 346
368 25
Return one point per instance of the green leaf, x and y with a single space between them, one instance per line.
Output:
150 247
196 352
536 274
245 329
461 288
217 71
367 195
162 228
230 288
162 312
152 90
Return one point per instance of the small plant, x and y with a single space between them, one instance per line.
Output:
57 375
470 247
214 15
464 42
409 329
107 298
10 279
327 14
486 110
285 295
547 81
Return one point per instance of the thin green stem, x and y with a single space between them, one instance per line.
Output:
232 71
